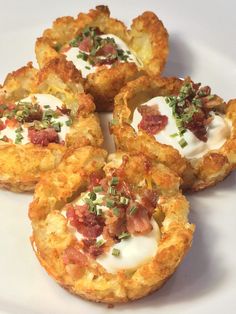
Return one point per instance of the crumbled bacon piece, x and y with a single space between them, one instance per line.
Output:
2 125
11 123
64 110
88 224
152 121
95 179
116 224
91 247
139 222
73 255
149 201
43 137
34 115
198 126
85 45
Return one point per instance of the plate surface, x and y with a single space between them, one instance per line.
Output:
202 44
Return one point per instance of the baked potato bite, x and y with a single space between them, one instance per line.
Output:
105 51
42 114
179 123
106 232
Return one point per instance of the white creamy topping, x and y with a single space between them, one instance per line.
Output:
134 251
51 102
131 256
86 68
217 131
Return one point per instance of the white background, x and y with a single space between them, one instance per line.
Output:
202 45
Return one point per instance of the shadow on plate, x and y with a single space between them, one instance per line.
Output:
180 59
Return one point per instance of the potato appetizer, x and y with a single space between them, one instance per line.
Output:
90 219
42 115
180 123
105 51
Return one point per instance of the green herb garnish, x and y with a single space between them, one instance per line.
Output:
124 235
115 252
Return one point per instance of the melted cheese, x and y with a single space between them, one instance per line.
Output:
43 100
86 68
131 257
217 132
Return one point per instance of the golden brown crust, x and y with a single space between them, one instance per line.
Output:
21 165
147 37
198 174
51 236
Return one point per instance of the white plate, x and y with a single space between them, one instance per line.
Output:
202 43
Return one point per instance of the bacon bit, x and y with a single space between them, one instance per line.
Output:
153 124
106 50
72 255
91 248
36 115
85 45
2 125
64 110
152 121
115 225
11 106
11 123
139 222
6 139
149 201
88 224
95 179
43 137
197 126
124 188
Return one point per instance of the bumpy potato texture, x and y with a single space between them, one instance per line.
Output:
52 236
147 37
21 165
197 174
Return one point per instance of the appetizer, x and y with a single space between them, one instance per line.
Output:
180 123
105 51
42 114
107 232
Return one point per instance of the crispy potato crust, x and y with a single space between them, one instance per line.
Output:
51 235
147 37
21 165
197 174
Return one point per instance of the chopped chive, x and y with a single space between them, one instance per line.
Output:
92 196
116 211
69 122
100 243
174 135
114 180
115 252
87 67
92 206
110 203
133 210
97 188
98 210
124 200
124 235
46 106
183 143
111 190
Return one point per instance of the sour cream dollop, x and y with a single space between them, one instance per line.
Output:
217 131
46 102
134 251
86 68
